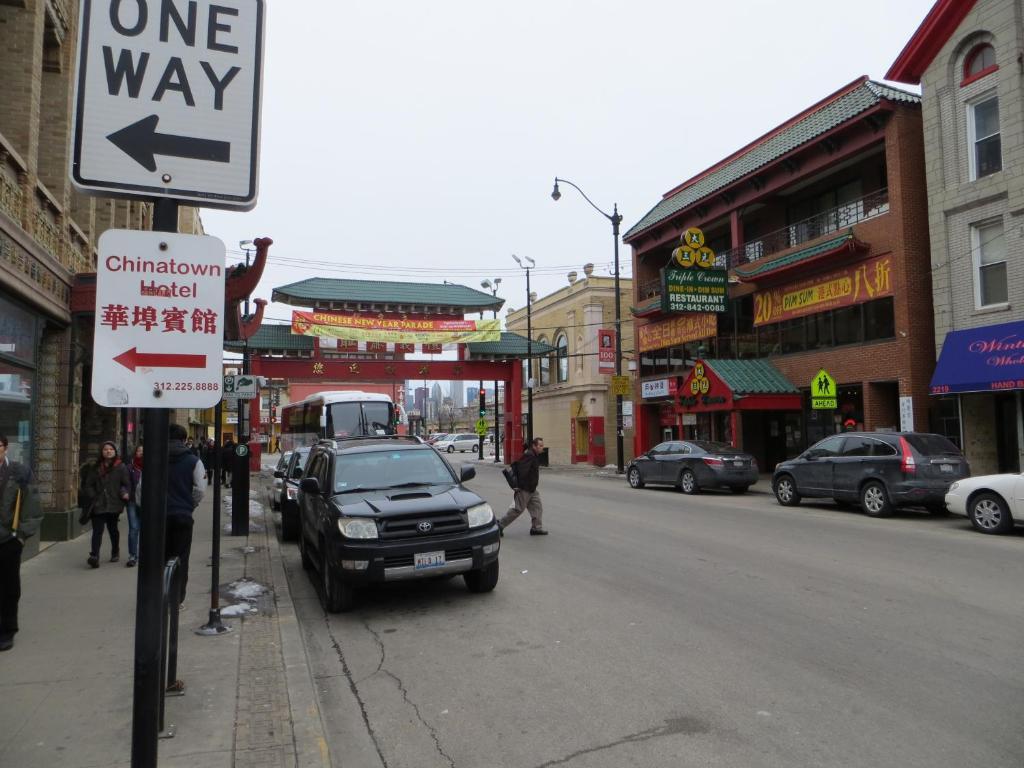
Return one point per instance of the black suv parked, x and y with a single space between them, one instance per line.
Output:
878 470
378 509
288 502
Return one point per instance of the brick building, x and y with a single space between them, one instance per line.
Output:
966 56
573 409
821 226
48 234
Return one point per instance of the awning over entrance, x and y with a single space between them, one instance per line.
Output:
987 359
748 385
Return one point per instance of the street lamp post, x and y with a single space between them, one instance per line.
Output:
615 218
527 263
492 285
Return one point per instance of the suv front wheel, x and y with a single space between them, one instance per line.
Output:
337 596
483 580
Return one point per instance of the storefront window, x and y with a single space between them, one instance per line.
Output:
17 332
792 335
16 386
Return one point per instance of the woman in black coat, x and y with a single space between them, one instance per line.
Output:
111 489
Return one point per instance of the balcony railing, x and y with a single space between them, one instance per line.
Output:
831 220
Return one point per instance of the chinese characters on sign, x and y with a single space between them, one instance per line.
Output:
676 331
842 288
159 330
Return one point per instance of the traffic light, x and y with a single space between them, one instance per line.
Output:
483 403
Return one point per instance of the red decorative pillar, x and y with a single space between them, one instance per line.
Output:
255 426
514 413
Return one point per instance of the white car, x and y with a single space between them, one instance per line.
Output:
990 502
460 442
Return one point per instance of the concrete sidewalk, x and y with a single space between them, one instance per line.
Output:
66 687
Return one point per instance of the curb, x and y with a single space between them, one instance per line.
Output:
310 741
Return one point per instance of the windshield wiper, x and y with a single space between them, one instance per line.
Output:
383 487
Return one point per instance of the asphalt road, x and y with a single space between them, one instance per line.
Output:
655 629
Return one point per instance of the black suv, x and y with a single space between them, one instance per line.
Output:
880 471
376 509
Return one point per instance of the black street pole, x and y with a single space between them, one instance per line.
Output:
619 459
529 358
214 625
148 685
615 219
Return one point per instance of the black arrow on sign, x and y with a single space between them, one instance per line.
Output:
141 143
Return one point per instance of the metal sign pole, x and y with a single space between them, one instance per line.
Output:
149 593
214 625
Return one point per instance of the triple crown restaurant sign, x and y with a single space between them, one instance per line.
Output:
692 284
159 327
167 100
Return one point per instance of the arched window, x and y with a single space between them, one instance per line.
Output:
562 357
545 367
980 61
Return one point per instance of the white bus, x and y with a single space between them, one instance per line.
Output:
329 415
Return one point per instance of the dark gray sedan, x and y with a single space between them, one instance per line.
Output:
691 465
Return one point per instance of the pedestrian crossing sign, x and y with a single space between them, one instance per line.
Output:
823 391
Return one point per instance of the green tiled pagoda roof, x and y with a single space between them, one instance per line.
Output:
762 266
752 377
279 337
823 119
320 291
511 345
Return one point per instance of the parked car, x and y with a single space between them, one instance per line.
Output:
993 503
461 442
691 465
276 489
288 501
880 471
391 508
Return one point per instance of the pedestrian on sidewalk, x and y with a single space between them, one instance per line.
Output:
186 482
227 457
110 493
134 507
527 497
20 513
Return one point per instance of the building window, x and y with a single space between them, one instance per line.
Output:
979 62
989 251
562 356
545 367
879 320
983 133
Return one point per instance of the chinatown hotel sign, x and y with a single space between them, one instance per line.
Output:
845 287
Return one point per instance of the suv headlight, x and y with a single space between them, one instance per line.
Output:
481 514
357 527
954 486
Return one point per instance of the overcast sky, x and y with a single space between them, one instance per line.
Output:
419 141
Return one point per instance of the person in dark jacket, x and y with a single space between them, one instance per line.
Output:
186 482
527 497
20 513
111 489
227 458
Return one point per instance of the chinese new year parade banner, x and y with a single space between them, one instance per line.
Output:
394 329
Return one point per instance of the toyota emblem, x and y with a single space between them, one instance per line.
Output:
425 526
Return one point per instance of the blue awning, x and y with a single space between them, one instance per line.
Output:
988 359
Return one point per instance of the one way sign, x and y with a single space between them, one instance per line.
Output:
167 100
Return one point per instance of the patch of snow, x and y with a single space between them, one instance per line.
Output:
242 609
246 589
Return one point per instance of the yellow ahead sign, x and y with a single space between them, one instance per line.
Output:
823 391
481 427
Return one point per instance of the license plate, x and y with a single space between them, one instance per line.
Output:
945 467
424 561
737 463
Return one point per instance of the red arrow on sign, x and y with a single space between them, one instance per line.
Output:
133 358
